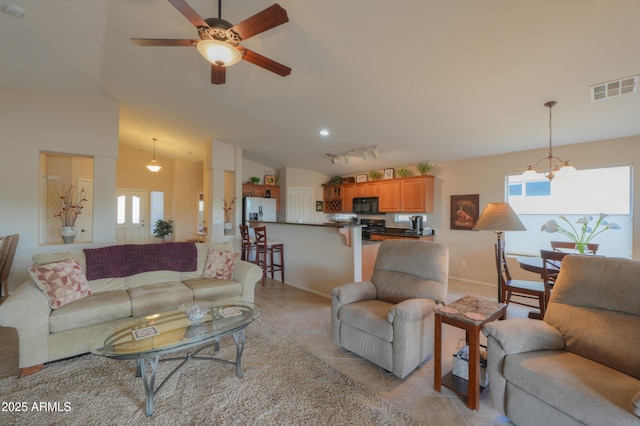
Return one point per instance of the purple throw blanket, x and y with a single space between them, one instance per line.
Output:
130 259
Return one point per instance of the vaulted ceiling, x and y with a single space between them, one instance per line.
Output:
435 80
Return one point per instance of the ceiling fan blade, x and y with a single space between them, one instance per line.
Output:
218 74
264 62
188 13
269 18
163 42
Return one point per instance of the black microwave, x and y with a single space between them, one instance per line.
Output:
367 205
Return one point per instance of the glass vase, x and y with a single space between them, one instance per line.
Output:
581 248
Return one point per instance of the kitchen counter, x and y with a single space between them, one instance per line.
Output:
348 230
326 224
396 233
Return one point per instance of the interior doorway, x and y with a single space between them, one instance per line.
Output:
300 204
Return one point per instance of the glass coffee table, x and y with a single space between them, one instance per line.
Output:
146 338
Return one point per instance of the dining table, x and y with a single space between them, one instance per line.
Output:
532 264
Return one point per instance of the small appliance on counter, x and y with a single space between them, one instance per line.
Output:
372 225
415 225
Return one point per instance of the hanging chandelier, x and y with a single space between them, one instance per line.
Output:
153 166
557 167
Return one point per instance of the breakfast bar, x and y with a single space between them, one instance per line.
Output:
319 256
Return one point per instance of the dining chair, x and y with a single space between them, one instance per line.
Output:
7 253
561 246
551 263
522 289
265 254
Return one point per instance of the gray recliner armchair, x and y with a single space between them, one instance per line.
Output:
390 319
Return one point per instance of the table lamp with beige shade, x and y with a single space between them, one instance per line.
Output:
499 217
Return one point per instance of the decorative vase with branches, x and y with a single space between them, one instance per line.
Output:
67 209
228 207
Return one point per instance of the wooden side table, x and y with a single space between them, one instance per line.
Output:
482 311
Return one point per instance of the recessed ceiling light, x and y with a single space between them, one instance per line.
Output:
324 132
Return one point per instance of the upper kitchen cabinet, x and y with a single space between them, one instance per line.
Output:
416 194
367 189
348 193
406 195
389 195
332 195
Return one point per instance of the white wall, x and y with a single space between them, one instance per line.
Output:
64 122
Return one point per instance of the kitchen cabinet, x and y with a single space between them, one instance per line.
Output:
332 195
406 195
348 192
366 189
255 190
389 196
416 194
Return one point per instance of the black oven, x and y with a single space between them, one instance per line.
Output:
372 225
365 205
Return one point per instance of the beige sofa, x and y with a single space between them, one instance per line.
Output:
581 364
47 334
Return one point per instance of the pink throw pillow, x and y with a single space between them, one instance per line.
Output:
220 264
62 282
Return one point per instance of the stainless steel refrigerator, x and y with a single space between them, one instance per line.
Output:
257 208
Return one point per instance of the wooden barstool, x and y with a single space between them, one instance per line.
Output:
248 246
265 251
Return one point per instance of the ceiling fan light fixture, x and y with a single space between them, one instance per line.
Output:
219 53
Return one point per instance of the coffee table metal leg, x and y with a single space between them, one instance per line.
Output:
238 337
149 368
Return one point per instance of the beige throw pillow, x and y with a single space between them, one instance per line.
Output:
220 264
62 282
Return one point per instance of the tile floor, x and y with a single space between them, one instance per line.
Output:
306 318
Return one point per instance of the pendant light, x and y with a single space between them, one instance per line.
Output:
153 165
557 166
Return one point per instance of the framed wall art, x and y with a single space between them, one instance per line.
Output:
361 178
464 211
269 180
319 206
388 173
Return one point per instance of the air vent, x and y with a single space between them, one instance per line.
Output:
614 88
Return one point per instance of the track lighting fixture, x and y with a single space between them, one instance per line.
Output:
367 153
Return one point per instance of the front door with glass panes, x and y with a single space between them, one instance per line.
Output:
131 214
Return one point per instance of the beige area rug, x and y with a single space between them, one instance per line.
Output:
283 384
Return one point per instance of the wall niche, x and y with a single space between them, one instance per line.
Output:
58 173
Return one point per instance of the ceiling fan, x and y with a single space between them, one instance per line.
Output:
220 40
